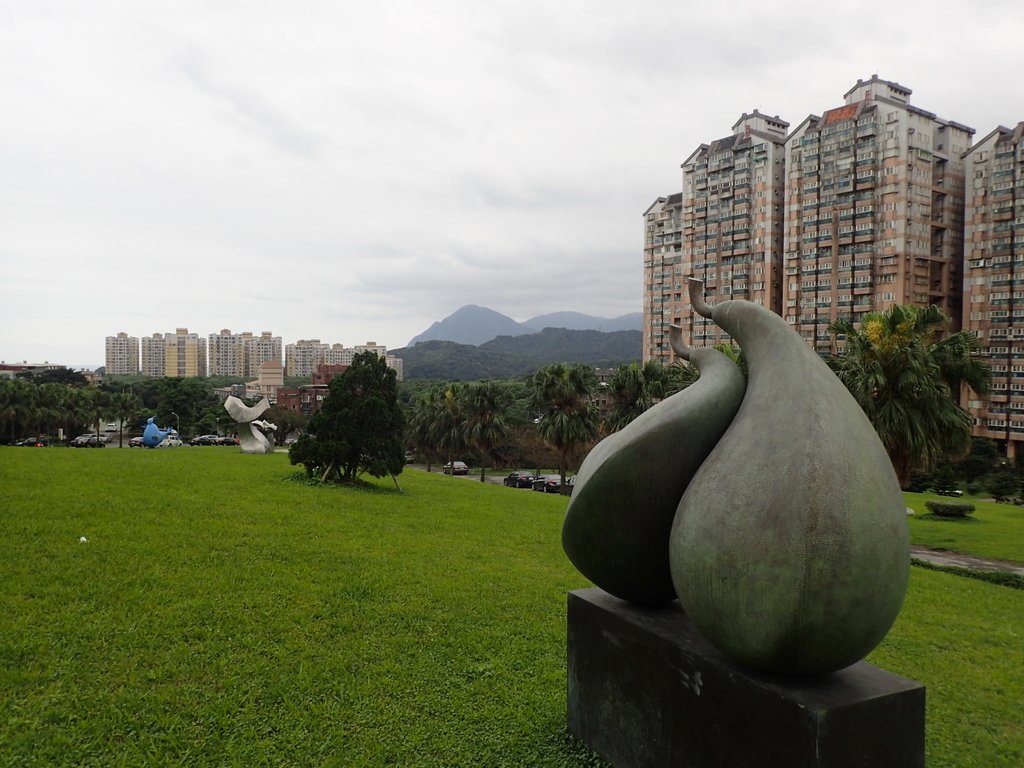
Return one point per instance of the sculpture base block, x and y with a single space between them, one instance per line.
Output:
646 689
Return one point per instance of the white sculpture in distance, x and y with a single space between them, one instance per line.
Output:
251 428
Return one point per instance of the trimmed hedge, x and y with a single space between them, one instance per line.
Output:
949 508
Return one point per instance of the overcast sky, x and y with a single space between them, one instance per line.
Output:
355 171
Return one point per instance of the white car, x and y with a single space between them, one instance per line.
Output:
171 441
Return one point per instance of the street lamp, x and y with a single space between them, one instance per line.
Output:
177 422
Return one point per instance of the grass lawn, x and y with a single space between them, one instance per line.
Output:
222 613
992 530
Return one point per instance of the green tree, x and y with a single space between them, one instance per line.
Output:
286 420
64 376
907 379
358 428
17 406
568 421
943 480
49 411
422 432
449 426
634 388
1003 484
125 406
984 456
485 428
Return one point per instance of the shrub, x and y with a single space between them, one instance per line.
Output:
949 508
1003 485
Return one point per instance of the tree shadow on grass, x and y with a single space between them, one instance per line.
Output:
950 518
384 486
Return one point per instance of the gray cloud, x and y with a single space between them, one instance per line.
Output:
354 172
255 112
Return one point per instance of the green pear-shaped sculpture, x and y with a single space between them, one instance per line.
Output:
789 550
617 526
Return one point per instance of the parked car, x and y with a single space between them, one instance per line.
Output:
953 492
540 482
547 483
87 441
410 457
456 468
33 442
227 440
205 440
135 442
519 480
171 441
570 483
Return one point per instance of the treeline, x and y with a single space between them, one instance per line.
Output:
548 419
42 404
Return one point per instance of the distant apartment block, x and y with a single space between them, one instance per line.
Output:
874 211
994 278
265 348
226 351
122 355
724 228
242 354
883 203
304 357
664 274
153 355
851 212
173 354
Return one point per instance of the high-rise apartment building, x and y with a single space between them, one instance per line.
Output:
261 349
994 279
874 210
185 354
725 227
174 354
154 355
122 358
303 357
242 354
664 274
226 352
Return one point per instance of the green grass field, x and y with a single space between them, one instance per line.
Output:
992 530
223 613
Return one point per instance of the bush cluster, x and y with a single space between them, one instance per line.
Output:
949 508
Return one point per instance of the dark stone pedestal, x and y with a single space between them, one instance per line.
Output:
646 689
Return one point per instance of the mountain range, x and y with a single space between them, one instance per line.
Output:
476 325
478 343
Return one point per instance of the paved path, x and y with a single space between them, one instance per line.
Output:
956 560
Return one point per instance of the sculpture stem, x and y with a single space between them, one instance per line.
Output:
697 297
675 340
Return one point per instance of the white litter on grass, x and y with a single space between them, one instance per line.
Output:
83 539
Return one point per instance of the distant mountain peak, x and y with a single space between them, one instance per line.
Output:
472 324
475 325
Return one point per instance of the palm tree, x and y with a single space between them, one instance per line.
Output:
449 430
484 426
17 404
77 409
568 419
634 388
50 406
125 406
423 433
907 381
